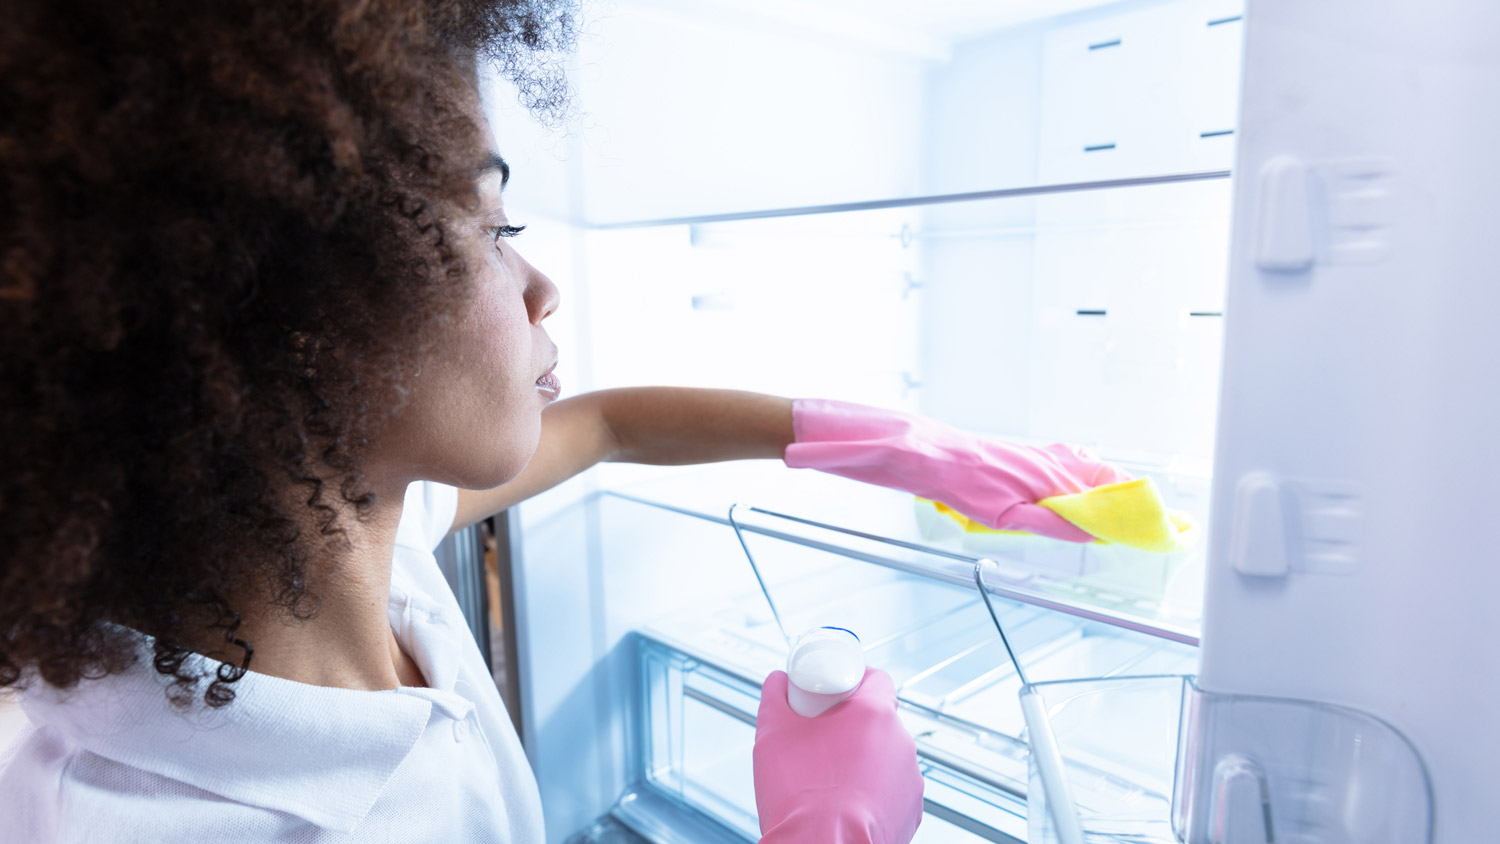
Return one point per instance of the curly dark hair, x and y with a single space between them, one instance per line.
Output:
223 229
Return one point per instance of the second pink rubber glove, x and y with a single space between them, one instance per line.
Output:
994 483
848 776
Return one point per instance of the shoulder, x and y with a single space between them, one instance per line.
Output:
52 792
31 784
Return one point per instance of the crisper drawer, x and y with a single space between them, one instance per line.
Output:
924 624
699 731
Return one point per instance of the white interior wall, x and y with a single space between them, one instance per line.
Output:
983 108
1005 349
685 114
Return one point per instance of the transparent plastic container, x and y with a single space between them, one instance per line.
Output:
1117 739
1156 759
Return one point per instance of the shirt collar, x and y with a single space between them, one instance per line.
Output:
322 754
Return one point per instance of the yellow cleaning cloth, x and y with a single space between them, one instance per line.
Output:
1130 514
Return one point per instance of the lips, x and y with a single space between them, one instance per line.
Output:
549 384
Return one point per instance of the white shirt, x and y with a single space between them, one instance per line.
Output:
114 761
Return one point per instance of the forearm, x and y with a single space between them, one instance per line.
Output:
657 425
668 426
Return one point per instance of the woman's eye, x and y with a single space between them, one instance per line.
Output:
505 231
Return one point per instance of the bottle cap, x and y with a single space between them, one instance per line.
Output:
825 666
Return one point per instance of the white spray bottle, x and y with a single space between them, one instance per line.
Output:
826 666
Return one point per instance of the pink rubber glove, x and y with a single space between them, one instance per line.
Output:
848 776
994 483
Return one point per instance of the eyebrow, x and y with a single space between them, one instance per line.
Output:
495 162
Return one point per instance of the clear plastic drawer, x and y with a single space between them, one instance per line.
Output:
921 619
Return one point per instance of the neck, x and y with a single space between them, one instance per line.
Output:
348 643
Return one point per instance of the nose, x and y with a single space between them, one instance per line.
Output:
541 295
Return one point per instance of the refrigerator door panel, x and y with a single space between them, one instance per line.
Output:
1355 445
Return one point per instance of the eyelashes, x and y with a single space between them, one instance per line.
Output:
505 231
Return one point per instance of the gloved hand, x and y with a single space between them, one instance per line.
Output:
994 483
848 776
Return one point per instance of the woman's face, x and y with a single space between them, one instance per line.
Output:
473 415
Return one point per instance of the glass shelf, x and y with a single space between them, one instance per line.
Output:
920 201
812 541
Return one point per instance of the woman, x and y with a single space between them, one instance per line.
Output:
266 340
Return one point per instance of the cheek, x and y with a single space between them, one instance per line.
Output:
501 342
472 417
501 414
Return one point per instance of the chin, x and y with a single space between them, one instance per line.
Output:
500 463
487 472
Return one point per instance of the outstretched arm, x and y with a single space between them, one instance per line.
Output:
666 426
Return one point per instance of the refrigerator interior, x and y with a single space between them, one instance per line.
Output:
1011 217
